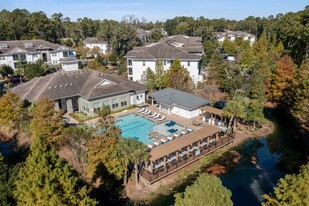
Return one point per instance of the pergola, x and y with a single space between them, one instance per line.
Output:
213 112
183 143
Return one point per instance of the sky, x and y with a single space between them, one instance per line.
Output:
160 10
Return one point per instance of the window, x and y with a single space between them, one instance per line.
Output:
123 101
130 71
2 57
106 103
164 63
114 103
188 63
144 63
130 62
65 54
85 106
19 57
96 107
131 78
54 54
55 62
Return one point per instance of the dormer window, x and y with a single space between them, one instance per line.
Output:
104 82
29 45
4 46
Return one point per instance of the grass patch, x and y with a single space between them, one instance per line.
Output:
121 110
81 117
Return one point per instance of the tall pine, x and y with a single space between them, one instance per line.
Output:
48 180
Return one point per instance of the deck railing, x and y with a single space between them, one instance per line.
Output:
182 162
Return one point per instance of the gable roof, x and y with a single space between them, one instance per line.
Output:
173 47
82 83
93 40
170 96
30 46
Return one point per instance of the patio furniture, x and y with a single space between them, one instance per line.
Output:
182 133
175 136
148 112
189 130
141 110
163 141
162 118
169 138
155 117
153 114
145 111
149 146
156 143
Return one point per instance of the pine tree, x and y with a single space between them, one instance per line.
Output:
48 180
206 190
178 77
291 190
7 180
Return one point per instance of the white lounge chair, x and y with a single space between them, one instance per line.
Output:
155 117
162 118
182 133
153 114
169 138
189 130
141 110
145 111
156 143
163 141
148 112
175 136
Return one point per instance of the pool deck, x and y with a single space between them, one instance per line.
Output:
187 123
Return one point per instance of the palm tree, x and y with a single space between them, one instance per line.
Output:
139 153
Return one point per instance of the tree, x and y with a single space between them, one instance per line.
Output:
282 77
7 179
132 151
156 80
112 58
6 70
46 121
75 139
102 149
10 109
32 70
46 179
299 96
178 77
236 108
206 190
254 113
290 190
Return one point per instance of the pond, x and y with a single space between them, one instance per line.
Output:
250 180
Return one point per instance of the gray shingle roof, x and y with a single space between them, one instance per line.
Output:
173 47
93 40
170 96
35 47
83 83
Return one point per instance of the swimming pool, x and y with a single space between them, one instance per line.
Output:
168 128
136 127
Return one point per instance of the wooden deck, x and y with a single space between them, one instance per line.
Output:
183 162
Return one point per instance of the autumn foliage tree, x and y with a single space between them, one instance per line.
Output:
282 77
102 149
10 109
46 120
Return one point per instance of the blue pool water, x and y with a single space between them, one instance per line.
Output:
136 127
168 128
